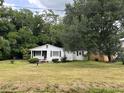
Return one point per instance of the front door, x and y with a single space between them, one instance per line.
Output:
44 54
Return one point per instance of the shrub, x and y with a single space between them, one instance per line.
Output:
25 53
55 60
64 59
33 60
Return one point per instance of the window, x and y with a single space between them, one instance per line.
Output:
55 53
80 53
37 53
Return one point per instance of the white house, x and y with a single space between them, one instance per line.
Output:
122 42
49 52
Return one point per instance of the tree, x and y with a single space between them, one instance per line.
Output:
49 26
5 21
6 27
1 2
24 29
26 40
94 24
13 39
105 19
77 29
38 24
21 42
23 17
50 17
55 33
4 48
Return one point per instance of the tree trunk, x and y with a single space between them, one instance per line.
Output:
109 58
88 55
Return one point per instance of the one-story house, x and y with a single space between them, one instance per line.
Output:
49 52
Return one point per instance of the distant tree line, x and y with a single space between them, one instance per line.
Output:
22 29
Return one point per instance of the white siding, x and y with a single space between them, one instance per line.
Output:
69 55
74 55
50 48
78 55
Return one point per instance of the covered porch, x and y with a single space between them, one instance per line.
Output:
40 54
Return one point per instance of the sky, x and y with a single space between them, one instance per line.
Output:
45 4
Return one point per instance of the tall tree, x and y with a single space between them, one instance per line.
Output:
48 33
13 39
23 17
95 20
38 24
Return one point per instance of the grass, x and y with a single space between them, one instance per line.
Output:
87 74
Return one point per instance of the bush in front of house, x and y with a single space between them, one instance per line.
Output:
33 60
64 59
55 60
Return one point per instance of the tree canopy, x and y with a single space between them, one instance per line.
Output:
91 25
22 29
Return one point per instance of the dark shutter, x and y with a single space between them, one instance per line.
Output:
77 53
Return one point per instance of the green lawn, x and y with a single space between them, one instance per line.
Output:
24 74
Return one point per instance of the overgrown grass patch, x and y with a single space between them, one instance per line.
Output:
24 76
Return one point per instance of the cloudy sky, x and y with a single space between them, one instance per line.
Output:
45 4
